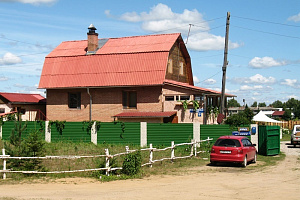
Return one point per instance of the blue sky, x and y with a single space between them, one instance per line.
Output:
264 46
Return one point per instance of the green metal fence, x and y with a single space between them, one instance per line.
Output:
112 133
8 126
73 131
214 131
163 134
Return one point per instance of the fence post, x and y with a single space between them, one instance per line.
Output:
4 164
1 131
151 155
195 148
172 150
127 149
94 134
143 134
196 132
107 162
192 148
47 132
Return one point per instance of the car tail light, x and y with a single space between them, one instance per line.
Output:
212 150
240 151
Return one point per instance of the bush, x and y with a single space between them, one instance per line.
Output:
132 163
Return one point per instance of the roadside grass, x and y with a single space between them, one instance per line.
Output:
286 137
167 167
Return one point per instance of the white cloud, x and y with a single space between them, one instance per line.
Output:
291 82
265 62
295 18
247 87
161 18
34 2
256 94
10 59
3 78
210 81
258 78
196 80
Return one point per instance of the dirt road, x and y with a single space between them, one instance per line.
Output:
276 182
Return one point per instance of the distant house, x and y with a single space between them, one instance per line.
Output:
132 79
278 114
31 106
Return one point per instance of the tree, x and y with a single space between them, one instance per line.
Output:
262 104
241 118
233 103
277 104
254 104
287 115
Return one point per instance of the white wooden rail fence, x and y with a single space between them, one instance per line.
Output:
107 156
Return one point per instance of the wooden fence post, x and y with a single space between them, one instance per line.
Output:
151 155
127 149
107 162
47 132
4 164
172 150
192 148
195 148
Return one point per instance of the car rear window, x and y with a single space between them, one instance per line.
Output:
228 143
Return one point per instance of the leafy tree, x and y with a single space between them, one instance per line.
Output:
237 120
287 115
277 104
248 114
233 103
291 103
254 104
262 104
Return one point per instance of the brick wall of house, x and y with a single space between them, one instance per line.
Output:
107 102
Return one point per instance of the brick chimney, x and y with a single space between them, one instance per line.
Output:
92 38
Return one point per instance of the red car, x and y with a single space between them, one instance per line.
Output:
236 149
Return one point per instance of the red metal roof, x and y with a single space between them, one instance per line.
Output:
278 113
128 61
145 114
188 86
23 98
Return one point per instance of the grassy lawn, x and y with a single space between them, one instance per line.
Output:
176 167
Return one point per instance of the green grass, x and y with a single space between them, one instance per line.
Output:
178 166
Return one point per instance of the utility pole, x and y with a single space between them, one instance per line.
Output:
225 63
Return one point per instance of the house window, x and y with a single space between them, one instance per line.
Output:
129 99
181 68
198 97
170 66
183 98
75 100
169 98
2 110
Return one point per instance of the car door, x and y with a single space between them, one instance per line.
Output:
251 149
245 147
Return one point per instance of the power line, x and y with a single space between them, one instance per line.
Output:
269 22
249 29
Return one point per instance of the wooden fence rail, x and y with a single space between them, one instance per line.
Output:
107 156
286 124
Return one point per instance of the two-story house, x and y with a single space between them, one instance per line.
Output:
139 78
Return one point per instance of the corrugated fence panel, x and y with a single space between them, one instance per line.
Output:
214 131
269 140
163 134
8 126
73 131
110 133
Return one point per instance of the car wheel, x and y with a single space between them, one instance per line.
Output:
244 163
254 159
213 163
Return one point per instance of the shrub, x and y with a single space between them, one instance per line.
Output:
132 163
